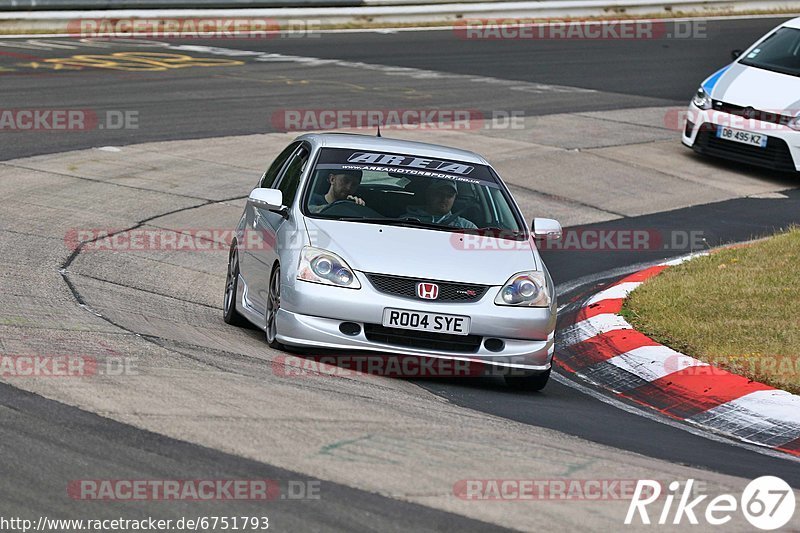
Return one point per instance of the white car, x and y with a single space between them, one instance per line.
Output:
371 245
748 111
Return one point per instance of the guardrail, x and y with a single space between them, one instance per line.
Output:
73 5
46 5
387 13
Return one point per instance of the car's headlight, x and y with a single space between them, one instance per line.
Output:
794 123
322 266
525 289
702 99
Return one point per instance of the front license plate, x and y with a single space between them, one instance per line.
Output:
744 137
435 322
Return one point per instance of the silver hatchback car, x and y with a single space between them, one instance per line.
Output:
368 244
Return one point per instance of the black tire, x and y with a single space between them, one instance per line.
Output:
534 382
229 312
273 305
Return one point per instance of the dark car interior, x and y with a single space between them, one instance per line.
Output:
392 201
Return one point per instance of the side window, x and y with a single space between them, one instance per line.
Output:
290 180
268 179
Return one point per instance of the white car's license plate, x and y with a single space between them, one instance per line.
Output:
435 322
744 137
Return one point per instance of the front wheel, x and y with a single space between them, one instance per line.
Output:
229 313
535 382
273 305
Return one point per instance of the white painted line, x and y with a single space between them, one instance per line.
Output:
389 70
591 327
620 290
653 362
684 258
769 417
656 417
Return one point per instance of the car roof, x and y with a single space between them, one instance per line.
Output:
386 144
794 23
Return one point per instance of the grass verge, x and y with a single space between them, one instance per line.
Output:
738 309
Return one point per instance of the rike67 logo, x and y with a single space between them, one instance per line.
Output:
767 503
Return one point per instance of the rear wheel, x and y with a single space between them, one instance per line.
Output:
229 313
535 382
273 305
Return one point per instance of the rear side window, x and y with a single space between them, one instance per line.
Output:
268 179
290 180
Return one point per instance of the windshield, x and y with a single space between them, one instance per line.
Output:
407 190
780 52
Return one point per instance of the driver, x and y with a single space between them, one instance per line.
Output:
343 186
439 198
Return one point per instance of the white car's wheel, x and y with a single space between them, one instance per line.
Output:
273 305
229 312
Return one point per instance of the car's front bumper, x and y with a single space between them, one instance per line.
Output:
700 133
311 315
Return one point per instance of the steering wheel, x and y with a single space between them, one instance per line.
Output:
335 203
348 208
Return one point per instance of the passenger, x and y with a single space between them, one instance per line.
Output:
439 198
343 186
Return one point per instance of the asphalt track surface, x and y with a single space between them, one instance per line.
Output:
189 103
40 437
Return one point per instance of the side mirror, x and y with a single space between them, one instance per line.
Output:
735 54
546 228
271 199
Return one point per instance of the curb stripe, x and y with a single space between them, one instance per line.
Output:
651 362
603 348
586 329
767 417
644 275
691 391
610 306
619 290
791 447
612 377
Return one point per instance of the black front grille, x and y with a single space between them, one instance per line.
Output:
407 288
775 155
748 112
425 340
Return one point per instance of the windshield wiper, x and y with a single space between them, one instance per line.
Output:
408 222
502 232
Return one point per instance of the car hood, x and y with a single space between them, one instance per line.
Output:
757 88
422 253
